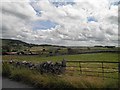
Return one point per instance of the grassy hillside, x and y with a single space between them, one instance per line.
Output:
17 45
13 42
9 45
13 45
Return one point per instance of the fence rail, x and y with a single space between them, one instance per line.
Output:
102 65
84 61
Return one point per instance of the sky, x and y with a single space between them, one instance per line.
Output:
61 22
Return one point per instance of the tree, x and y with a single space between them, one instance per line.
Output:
6 49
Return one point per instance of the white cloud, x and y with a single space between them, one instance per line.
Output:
16 18
73 27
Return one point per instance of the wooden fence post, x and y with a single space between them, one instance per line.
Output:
119 67
102 71
80 67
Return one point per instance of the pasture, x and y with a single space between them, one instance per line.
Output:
37 58
72 78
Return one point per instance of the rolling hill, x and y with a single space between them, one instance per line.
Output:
10 45
17 45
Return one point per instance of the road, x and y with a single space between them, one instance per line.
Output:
7 83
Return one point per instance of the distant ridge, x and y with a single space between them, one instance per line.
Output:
11 42
6 42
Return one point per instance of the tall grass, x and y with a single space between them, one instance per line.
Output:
53 81
6 71
64 81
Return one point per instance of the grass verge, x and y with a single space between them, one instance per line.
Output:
53 81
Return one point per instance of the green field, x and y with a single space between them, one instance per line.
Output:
71 78
93 57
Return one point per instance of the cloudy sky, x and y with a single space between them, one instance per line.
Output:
61 22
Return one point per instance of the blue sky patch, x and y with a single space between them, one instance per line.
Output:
59 3
36 8
114 2
43 25
90 19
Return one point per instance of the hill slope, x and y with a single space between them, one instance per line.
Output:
13 42
15 45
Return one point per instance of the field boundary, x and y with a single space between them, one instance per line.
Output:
79 62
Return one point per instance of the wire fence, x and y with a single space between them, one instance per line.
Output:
104 69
